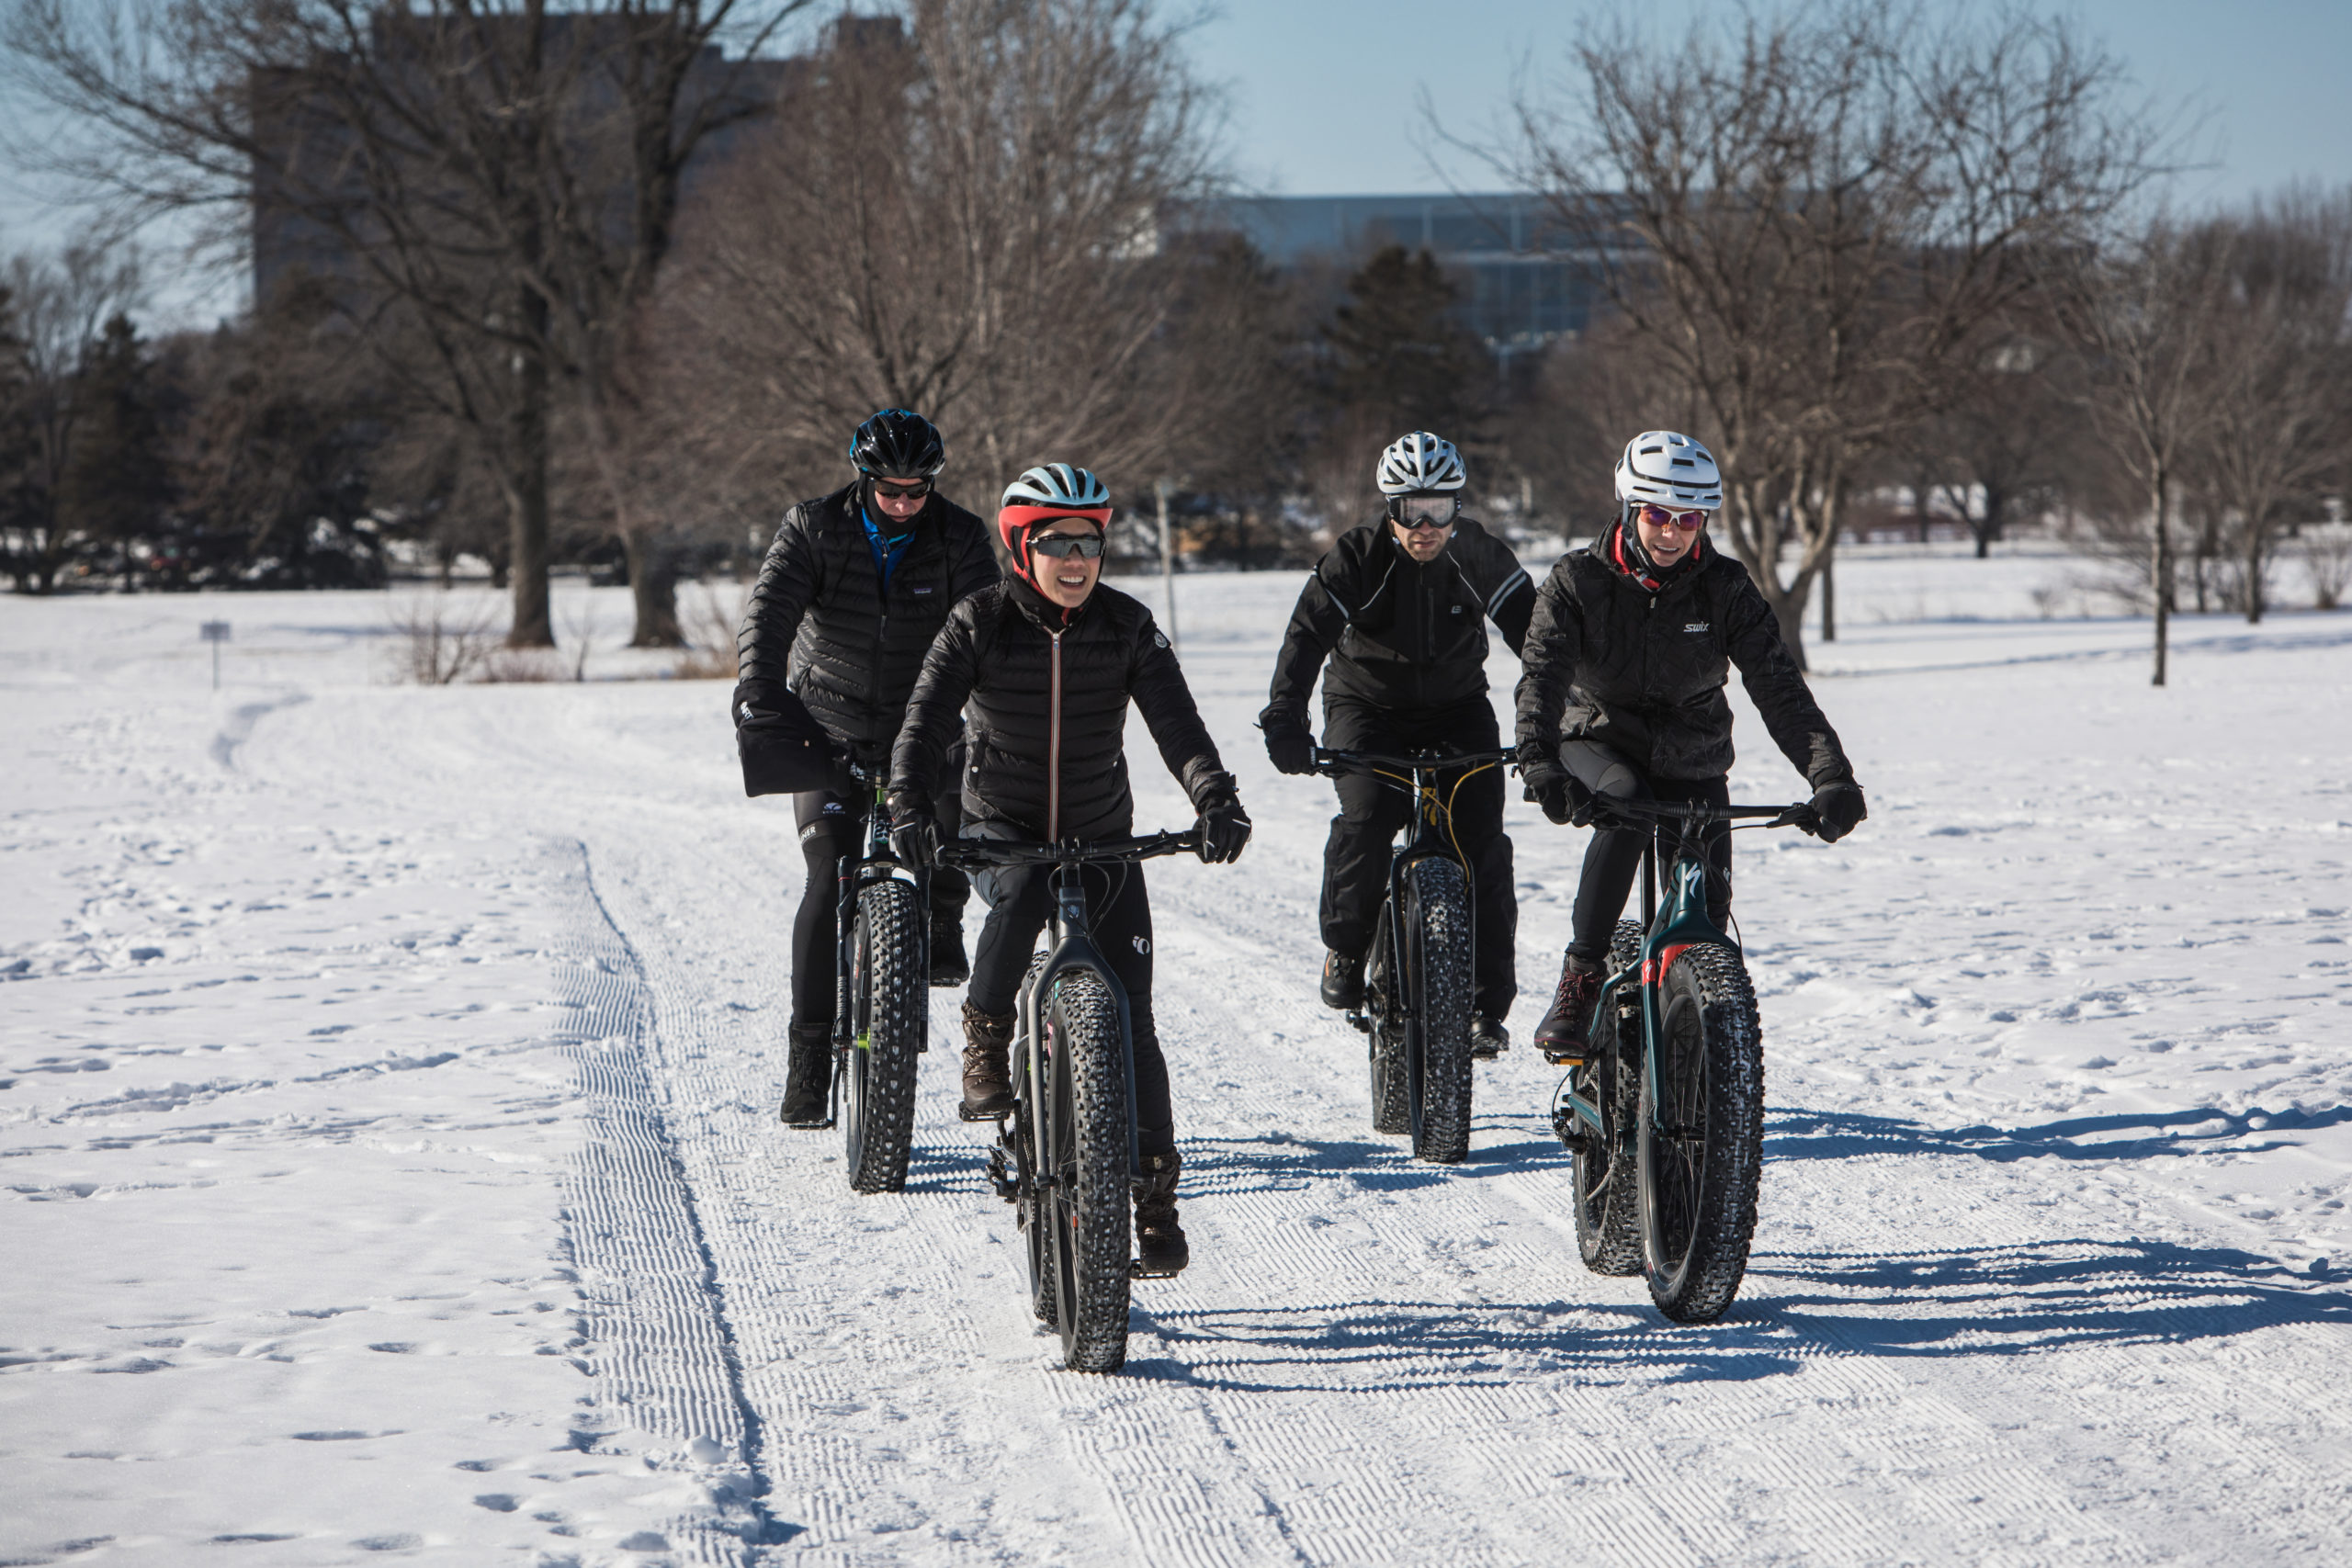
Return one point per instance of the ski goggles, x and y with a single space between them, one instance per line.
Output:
1086 546
1427 511
914 492
1659 517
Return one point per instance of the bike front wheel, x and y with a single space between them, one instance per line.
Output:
1699 1134
890 993
1082 1149
1437 924
1608 1205
1392 1099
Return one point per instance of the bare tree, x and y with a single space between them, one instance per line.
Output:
492 182
2145 313
2280 423
57 312
1810 220
962 218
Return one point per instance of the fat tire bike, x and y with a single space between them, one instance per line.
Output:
1418 975
1065 1156
881 997
1665 1119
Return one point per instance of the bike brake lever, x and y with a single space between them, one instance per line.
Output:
1800 815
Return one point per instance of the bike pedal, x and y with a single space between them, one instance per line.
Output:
1364 1024
824 1127
1136 1270
969 1115
1579 1059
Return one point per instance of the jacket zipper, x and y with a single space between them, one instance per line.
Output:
1054 745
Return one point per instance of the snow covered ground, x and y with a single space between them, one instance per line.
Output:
387 1167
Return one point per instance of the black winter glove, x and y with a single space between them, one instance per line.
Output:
914 832
1291 751
1223 828
1838 805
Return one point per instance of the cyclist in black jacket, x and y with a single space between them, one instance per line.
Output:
855 586
1632 642
1047 662
1399 608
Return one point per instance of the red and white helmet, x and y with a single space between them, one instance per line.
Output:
1047 494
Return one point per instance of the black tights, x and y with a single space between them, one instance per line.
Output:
1019 898
1613 857
833 825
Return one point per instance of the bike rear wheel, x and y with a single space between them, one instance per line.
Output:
1082 1148
1608 1202
892 1010
1437 924
1699 1134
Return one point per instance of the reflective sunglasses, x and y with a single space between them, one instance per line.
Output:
1427 510
914 492
1086 546
1659 517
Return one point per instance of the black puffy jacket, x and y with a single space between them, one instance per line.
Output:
819 621
1048 713
1640 672
1400 636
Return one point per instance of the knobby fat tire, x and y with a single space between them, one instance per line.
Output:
1087 1205
879 1101
1699 1206
1609 1217
1392 1107
1036 1233
1440 909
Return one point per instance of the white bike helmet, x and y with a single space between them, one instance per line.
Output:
1671 471
1420 462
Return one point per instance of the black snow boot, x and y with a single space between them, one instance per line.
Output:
1488 1038
808 1076
948 964
1160 1240
988 1075
1562 1034
1343 980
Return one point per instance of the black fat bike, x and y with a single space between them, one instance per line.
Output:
1417 977
1066 1155
1664 1118
881 999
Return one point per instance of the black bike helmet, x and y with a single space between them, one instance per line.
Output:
897 444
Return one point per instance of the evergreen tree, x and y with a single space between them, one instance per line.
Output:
117 482
1398 355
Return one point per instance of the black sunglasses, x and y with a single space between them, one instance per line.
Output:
914 492
1087 547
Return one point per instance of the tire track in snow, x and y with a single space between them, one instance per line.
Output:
659 1348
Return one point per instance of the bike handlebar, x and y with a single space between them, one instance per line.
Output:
1328 760
968 855
1634 813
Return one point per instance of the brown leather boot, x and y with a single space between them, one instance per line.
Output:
988 1073
1160 1240
1562 1035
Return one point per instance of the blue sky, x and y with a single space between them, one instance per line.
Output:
1322 93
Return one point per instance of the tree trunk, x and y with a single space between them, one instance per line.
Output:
653 588
2258 542
527 500
2160 573
1829 600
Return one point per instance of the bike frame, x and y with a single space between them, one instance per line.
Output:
853 874
1430 838
1678 922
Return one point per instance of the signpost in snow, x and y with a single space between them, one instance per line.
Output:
1168 567
216 633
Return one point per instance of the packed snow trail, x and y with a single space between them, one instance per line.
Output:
477 1004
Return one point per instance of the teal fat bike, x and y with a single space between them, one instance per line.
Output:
1664 1119
1066 1155
1418 975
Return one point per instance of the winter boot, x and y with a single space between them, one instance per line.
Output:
1343 980
948 964
1488 1038
1561 1035
808 1076
1160 1240
988 1075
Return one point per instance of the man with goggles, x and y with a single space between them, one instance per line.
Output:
1399 610
1631 644
854 587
